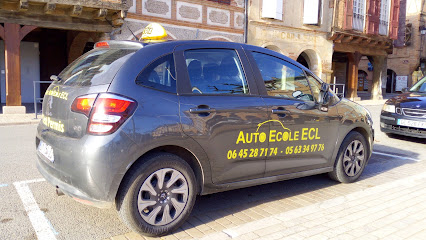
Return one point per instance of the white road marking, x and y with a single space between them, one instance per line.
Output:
396 156
4 185
39 221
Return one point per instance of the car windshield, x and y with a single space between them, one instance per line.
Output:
420 86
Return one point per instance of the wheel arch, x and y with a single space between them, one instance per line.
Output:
183 153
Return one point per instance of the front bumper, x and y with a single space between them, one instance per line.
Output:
389 124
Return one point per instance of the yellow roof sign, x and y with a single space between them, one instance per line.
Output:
153 31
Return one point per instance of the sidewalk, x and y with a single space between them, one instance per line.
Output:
390 205
18 119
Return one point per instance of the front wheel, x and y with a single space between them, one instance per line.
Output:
351 159
158 195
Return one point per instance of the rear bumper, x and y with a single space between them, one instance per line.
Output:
68 189
389 124
88 169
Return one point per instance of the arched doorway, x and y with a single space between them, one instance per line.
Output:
310 59
390 81
362 81
303 59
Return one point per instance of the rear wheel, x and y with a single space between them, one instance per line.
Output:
158 195
351 159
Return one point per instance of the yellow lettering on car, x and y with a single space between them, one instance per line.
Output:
55 92
53 124
275 136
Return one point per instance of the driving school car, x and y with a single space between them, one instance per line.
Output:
148 126
405 114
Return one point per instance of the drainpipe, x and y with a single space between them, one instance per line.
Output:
245 20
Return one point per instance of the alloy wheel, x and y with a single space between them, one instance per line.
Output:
163 196
354 158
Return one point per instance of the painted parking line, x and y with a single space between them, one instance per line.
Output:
41 225
396 156
4 185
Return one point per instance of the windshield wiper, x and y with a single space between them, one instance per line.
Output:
55 78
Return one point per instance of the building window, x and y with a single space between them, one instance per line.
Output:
311 12
384 17
272 9
359 15
228 2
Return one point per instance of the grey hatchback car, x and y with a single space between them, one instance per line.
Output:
146 127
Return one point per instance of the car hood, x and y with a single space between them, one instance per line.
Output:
410 100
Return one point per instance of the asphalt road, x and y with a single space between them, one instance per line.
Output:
27 202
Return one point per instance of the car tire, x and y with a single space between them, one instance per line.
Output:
351 159
157 195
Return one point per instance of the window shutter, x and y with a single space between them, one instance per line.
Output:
311 12
349 14
394 19
373 16
272 9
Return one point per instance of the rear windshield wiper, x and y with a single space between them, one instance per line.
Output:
55 78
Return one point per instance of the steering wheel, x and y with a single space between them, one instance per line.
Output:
196 89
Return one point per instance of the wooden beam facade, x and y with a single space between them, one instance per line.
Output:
56 22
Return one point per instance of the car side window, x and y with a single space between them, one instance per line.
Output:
215 71
283 79
159 75
315 86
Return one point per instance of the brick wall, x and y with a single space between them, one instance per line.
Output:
209 19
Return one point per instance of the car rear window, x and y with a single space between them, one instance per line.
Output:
93 68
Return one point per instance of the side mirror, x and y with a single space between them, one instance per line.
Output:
324 97
324 87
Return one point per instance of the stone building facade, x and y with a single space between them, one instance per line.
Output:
328 36
286 28
221 20
407 63
409 59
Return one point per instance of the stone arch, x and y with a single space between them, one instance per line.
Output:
219 38
78 44
272 47
312 60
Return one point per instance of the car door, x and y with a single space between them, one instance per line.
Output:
220 108
301 137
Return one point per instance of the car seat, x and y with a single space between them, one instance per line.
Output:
195 71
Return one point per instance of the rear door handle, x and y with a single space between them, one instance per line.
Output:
280 110
202 109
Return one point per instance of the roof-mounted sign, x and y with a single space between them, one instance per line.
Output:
153 31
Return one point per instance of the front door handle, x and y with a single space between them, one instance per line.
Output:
280 111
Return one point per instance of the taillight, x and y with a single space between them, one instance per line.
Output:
83 104
108 112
